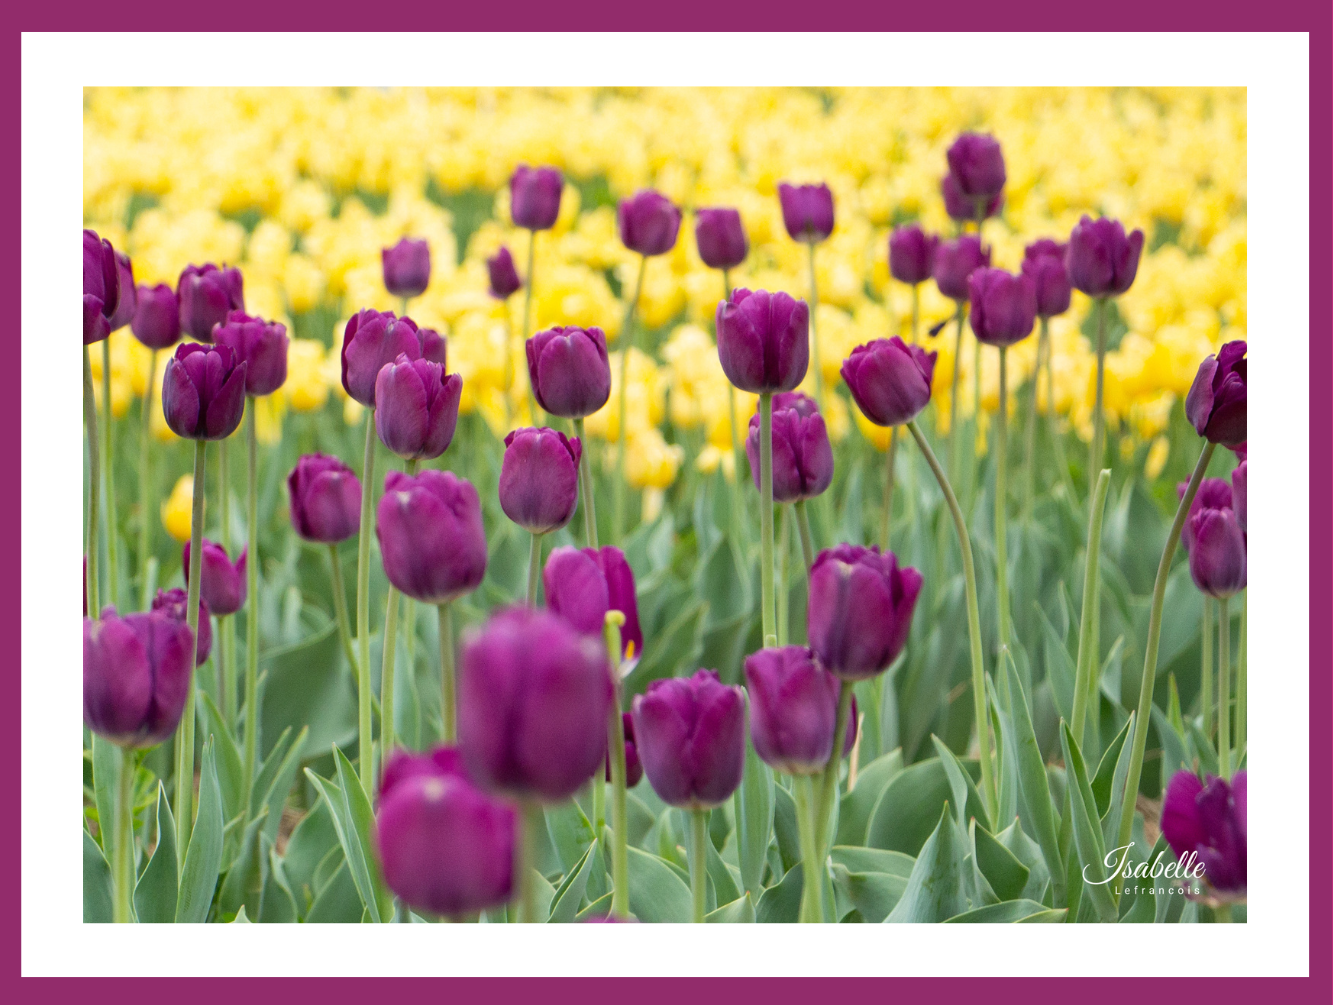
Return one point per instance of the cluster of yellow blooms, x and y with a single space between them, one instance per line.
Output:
308 165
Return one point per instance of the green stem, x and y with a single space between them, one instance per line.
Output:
954 456
736 448
408 621
586 494
598 784
807 539
109 475
534 568
1030 433
366 739
527 313
698 864
1206 666
829 782
251 599
803 791
530 819
146 486
1098 418
1242 698
226 664
626 344
916 310
123 876
1052 422
814 331
340 610
784 555
93 544
1140 738
448 699
890 457
767 613
388 646
1087 653
615 735
185 734
1223 688
509 366
1001 502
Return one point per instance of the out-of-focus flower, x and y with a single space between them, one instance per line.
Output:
432 540
416 407
1004 306
260 344
504 277
307 385
1101 259
633 766
1044 264
1216 405
156 321
539 478
763 340
136 674
325 499
203 392
206 295
371 341
1207 824
1217 552
582 585
721 237
221 583
912 254
977 164
690 737
955 261
1213 493
101 287
534 197
889 380
860 609
793 710
807 211
177 510
175 604
1239 479
569 370
649 223
962 208
650 462
125 306
406 267
802 454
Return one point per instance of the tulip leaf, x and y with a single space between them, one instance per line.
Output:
97 894
754 821
1060 669
203 857
338 901
719 874
1174 754
738 912
1050 916
1037 810
935 889
656 893
313 839
1010 911
872 894
106 773
1101 782
966 799
245 879
1115 770
155 892
361 820
857 805
568 896
855 859
599 908
570 832
1003 873
909 810
231 773
782 903
676 647
1087 832
276 903
786 828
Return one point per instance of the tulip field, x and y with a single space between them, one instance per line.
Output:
665 505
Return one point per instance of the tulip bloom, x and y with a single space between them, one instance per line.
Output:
955 261
583 584
126 305
1044 264
690 735
534 197
221 584
417 407
860 609
1217 551
431 536
962 208
206 295
633 767
156 321
802 455
793 710
1209 822
1213 493
1239 477
762 340
136 674
569 370
1103 261
325 499
539 478
406 268
259 343
889 380
101 287
503 276
1004 306
649 223
174 604
1216 404
807 211
203 392
912 254
976 163
721 237
371 341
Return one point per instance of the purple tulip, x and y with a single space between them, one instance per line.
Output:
417 408
1238 500
534 197
955 261
101 287
802 455
960 207
221 584
157 321
889 380
136 675
649 223
721 237
1044 264
763 340
793 710
911 254
807 211
261 344
1215 405
569 371
126 305
583 584
406 268
622 595
431 537
371 341
325 498
203 392
633 768
444 845
1213 493
504 277
1217 552
976 163
206 295
1207 824
174 604
533 699
539 478
1004 306
1102 261
690 735
860 609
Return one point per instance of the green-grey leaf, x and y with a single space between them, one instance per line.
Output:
203 857
786 829
855 859
755 802
858 804
781 903
1004 873
935 889
1033 784
873 894
231 772
565 905
361 820
1009 911
656 893
739 911
97 905
1087 830
155 893
245 878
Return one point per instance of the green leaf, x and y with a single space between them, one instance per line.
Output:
909 809
1087 832
155 893
279 784
570 832
231 772
656 893
361 818
781 903
565 904
755 801
276 902
873 894
97 894
786 828
1174 754
1060 669
965 796
338 901
312 840
599 908
106 772
1003 872
854 859
719 876
245 878
1010 911
935 888
203 857
857 805
1119 778
739 911
1054 916
676 647
1038 813
1101 782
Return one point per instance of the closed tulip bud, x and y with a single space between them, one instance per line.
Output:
371 341
911 254
1213 493
807 211
1238 501
533 699
325 499
136 675
1004 306
583 584
889 380
1216 404
221 584
157 322
203 392
444 845
262 345
1217 552
1044 264
1209 822
955 261
763 340
206 295
860 609
690 735
539 478
101 287
504 277
431 536
802 455
649 223
721 237
1102 261
977 164
125 306
793 710
633 767
569 370
960 207
406 267
175 605
534 197
417 407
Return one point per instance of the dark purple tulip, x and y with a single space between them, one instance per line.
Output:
203 392
504 277
1209 822
539 478
101 287
533 699
721 237
633 769
206 295
406 268
1213 493
807 211
1215 405
911 254
261 344
889 380
1217 552
1102 261
802 455
623 596
763 340
136 675
860 609
157 320
1044 264
649 223
444 845
371 341
960 207
126 305
690 735
977 164
1004 306
1241 450
221 584
174 603
534 197
431 536
569 371
434 346
793 709
417 408
955 261
582 585
326 499
1238 487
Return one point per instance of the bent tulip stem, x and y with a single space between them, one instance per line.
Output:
626 344
365 740
448 692
185 734
807 539
93 545
698 864
534 568
767 612
619 774
1084 674
109 476
814 330
1223 689
146 486
1206 666
123 851
251 600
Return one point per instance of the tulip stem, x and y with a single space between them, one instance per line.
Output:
530 819
698 864
829 783
123 851
585 486
1084 674
340 610
226 667
1098 419
146 485
1001 503
1223 689
1242 699
619 773
527 314
767 613
366 740
783 557
803 789
1030 433
95 486
973 620
534 568
185 734
251 598
626 344
807 539
953 397
814 330
109 474
509 366
1206 666
448 701
889 458
916 310
388 645
1140 737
